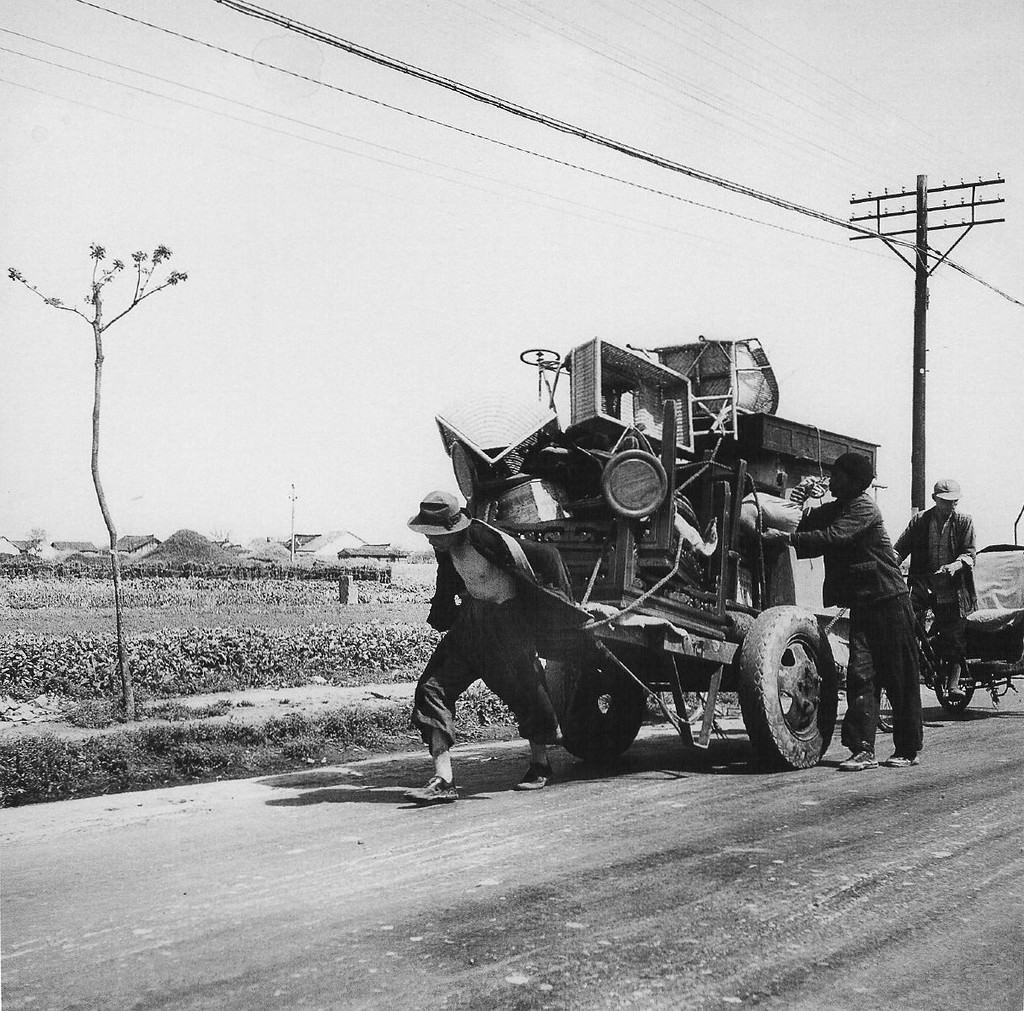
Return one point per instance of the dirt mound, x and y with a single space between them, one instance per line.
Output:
185 547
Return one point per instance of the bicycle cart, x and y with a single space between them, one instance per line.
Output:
995 633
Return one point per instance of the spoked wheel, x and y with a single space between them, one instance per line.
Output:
787 688
884 713
605 710
957 705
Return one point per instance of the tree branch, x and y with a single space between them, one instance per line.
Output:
175 277
53 303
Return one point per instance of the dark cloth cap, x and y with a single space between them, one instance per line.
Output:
440 513
856 467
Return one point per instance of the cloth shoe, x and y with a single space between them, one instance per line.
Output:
437 791
901 761
536 778
859 762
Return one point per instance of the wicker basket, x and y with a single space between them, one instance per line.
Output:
614 389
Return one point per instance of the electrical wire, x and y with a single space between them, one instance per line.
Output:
887 109
523 112
458 129
296 121
271 17
665 77
763 69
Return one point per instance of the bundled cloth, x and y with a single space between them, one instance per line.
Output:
776 513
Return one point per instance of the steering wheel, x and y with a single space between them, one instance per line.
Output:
543 359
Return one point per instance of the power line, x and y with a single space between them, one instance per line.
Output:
808 141
475 94
760 71
467 91
890 110
438 122
664 76
480 96
523 112
622 220
296 136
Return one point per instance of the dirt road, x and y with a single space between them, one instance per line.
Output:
675 880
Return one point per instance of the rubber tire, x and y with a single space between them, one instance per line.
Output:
788 640
604 713
959 707
885 722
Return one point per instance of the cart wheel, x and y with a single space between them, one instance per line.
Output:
787 688
884 713
604 713
957 706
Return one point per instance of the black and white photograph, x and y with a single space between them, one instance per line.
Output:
511 504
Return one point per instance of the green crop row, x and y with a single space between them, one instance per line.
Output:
190 661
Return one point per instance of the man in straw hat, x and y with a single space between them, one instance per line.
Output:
941 546
862 573
509 602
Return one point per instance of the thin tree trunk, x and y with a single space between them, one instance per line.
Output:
124 672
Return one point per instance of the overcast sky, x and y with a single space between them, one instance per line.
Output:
353 264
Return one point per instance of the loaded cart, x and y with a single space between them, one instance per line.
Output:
654 494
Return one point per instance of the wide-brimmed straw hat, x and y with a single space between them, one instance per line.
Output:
440 513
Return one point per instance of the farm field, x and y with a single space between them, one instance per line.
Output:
232 677
57 621
189 635
61 606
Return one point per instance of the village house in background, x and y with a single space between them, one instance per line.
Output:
325 547
84 549
35 547
133 547
267 551
371 556
8 548
338 549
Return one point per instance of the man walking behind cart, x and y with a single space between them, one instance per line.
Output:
861 573
941 546
513 595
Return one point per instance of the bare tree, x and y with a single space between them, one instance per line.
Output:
145 268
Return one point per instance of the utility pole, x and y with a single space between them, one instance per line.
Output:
293 496
922 271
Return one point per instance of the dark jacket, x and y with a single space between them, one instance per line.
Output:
961 541
860 564
542 584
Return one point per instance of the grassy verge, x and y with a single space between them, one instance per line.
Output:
43 767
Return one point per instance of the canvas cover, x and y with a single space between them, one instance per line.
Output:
999 584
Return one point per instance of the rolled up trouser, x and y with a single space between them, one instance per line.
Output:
492 643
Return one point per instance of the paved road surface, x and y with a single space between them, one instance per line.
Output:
676 880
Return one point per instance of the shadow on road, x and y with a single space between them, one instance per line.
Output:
480 775
392 796
936 716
